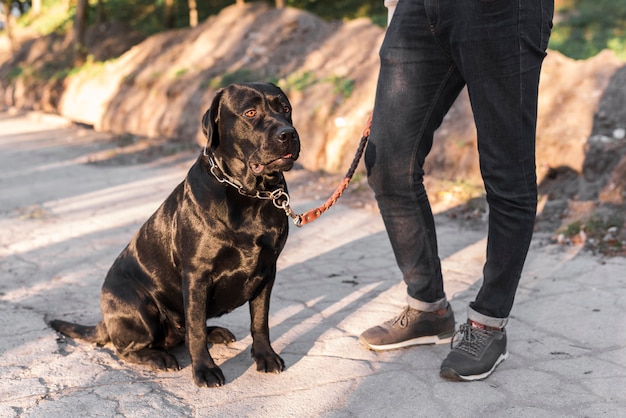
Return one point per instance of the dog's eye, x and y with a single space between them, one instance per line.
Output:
286 109
250 113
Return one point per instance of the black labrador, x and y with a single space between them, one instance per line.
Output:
210 247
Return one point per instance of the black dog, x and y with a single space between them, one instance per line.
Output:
210 247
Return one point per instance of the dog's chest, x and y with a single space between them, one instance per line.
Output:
241 269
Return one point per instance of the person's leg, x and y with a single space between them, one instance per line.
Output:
418 83
499 47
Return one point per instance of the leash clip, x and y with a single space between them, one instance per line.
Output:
280 199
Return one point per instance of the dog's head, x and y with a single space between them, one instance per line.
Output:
249 129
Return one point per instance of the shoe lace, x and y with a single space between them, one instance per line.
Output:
402 319
472 340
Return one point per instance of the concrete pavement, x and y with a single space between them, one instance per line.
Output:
63 220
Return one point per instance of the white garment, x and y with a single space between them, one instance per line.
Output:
391 7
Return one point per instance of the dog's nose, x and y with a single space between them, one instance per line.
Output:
286 134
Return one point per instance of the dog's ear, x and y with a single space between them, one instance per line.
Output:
209 121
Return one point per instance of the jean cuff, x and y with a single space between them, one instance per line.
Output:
426 306
489 321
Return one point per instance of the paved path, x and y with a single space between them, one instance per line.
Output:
63 221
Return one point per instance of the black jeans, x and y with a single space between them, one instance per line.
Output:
432 49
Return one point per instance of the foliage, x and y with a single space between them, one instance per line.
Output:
242 75
53 19
298 81
599 233
54 71
582 28
341 85
56 19
586 27
148 16
348 9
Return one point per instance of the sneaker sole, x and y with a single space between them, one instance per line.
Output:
426 340
450 374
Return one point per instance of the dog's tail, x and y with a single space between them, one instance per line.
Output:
94 334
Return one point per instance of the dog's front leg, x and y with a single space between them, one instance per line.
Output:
264 355
205 372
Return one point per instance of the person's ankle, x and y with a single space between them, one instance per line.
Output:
484 327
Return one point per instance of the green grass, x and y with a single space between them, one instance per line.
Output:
54 18
298 81
341 86
238 76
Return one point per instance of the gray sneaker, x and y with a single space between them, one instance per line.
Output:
411 327
476 355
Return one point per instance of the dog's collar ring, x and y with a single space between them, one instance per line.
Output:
280 199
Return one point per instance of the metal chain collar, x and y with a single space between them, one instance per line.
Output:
279 197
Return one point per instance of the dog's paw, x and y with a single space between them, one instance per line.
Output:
164 361
157 359
208 377
219 335
268 362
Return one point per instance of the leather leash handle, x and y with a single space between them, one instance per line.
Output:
314 214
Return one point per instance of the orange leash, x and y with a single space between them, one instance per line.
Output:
314 214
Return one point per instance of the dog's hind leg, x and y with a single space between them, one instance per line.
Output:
135 342
135 330
158 359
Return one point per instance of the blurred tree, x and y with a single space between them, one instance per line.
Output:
193 13
35 7
80 27
169 10
347 9
586 27
100 14
8 23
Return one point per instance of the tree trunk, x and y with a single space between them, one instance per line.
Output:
239 2
168 18
193 13
8 24
80 26
36 8
100 15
